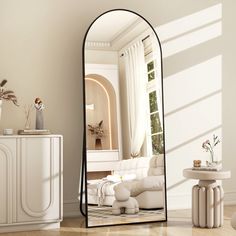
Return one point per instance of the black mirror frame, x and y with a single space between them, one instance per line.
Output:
84 151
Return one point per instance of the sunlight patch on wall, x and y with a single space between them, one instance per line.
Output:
193 121
190 22
185 154
193 96
191 30
192 39
193 84
193 102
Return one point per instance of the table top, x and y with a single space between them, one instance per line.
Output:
206 175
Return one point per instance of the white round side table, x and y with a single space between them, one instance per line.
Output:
207 197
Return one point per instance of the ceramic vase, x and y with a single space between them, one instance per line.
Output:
28 122
98 144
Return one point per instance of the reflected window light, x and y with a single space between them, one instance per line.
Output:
90 107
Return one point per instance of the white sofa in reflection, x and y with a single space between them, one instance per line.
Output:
143 176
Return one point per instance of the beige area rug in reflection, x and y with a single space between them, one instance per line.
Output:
103 215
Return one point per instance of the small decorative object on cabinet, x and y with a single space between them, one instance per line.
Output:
34 132
30 182
8 131
28 111
207 197
39 113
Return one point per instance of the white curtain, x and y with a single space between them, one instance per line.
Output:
157 55
136 79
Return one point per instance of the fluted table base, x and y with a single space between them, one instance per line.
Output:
207 204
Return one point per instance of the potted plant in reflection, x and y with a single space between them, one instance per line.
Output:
98 132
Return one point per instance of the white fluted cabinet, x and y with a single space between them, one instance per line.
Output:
30 182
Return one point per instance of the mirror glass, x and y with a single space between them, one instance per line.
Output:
124 125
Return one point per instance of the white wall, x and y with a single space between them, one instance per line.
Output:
198 50
193 93
228 49
41 55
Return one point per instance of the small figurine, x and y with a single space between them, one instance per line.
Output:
197 163
38 104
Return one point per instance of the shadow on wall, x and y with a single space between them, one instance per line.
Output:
193 90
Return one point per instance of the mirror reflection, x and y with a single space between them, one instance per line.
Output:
124 121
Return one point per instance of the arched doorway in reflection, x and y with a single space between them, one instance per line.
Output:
101 106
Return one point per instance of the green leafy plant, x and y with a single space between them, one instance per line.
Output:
7 95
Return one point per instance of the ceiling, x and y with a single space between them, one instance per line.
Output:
114 29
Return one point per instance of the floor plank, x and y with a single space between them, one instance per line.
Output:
179 223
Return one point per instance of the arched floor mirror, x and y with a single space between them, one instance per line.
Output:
124 141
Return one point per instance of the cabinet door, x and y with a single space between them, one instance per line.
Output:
39 177
7 180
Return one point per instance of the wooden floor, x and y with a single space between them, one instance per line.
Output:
179 223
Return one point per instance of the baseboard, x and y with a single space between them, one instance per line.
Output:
71 208
28 227
179 201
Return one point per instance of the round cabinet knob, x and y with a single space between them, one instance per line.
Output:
233 221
